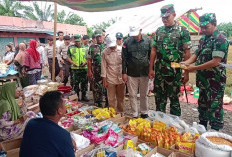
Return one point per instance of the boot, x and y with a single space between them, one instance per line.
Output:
204 123
84 98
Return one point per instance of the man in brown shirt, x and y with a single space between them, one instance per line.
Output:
111 72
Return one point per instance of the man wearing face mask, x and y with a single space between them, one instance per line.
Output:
171 44
211 76
135 65
111 73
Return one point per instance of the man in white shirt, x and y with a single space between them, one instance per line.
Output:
40 49
60 41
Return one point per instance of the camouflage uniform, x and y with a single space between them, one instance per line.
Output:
211 82
170 43
94 53
78 74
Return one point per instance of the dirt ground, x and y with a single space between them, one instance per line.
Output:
189 113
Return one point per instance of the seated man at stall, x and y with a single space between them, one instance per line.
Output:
12 122
43 136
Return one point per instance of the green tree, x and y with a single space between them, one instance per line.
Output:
61 16
226 28
105 25
89 32
74 19
12 8
40 13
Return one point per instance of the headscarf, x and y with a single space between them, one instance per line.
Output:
20 57
8 102
32 51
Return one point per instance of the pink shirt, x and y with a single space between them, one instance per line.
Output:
111 66
30 62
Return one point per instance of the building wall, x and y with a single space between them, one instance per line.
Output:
16 38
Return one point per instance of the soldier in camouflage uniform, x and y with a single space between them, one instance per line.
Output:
94 68
77 58
171 44
211 76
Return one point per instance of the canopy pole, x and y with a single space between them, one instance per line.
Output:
54 43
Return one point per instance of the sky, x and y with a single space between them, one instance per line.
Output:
222 8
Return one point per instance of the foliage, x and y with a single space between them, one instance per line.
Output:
89 32
12 8
40 13
226 27
105 25
71 18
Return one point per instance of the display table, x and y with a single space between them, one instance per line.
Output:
11 77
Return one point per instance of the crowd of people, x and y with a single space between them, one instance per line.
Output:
110 63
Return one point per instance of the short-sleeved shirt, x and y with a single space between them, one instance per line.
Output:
62 50
170 43
9 56
210 47
42 137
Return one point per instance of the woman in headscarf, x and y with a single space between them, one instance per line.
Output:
19 62
32 63
12 123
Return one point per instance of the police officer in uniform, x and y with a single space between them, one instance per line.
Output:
211 75
171 44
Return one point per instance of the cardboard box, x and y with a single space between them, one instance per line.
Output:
175 149
180 154
122 120
117 116
85 150
35 108
12 147
165 152
73 97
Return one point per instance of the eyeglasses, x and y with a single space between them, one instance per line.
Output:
119 38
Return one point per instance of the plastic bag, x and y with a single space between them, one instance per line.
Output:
170 120
81 141
204 140
112 138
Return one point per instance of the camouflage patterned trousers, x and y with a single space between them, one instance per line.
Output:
98 90
210 107
79 78
167 87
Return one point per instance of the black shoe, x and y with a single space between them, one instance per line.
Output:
84 98
78 97
144 116
204 123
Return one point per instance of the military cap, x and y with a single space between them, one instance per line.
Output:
119 35
77 37
167 10
207 18
66 37
98 32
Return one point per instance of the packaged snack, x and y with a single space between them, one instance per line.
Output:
129 144
186 147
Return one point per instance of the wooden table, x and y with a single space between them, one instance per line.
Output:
11 77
